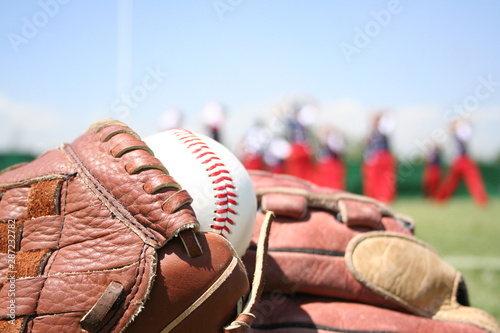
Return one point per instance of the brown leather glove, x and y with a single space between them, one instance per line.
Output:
338 245
96 237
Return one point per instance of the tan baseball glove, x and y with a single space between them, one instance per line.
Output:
97 237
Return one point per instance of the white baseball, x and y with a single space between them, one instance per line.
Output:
223 195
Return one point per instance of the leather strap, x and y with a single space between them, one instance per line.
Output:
245 319
109 299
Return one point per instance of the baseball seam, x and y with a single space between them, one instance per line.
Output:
221 179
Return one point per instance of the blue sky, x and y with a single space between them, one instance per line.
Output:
65 64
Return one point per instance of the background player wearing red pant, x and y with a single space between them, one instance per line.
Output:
379 166
253 146
330 168
463 168
431 179
299 162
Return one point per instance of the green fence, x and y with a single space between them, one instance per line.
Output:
409 178
8 159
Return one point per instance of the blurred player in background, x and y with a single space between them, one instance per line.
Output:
276 155
463 167
432 173
264 149
252 149
330 168
300 162
379 165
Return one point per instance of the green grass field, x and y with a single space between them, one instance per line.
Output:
467 237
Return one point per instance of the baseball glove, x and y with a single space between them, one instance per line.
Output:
342 246
97 237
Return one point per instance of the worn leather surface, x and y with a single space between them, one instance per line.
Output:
307 314
101 234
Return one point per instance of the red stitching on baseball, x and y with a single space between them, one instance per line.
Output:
191 144
224 219
189 141
216 173
199 149
231 194
205 154
226 210
215 166
223 228
225 202
225 186
225 195
221 179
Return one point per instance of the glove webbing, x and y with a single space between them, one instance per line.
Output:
22 264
